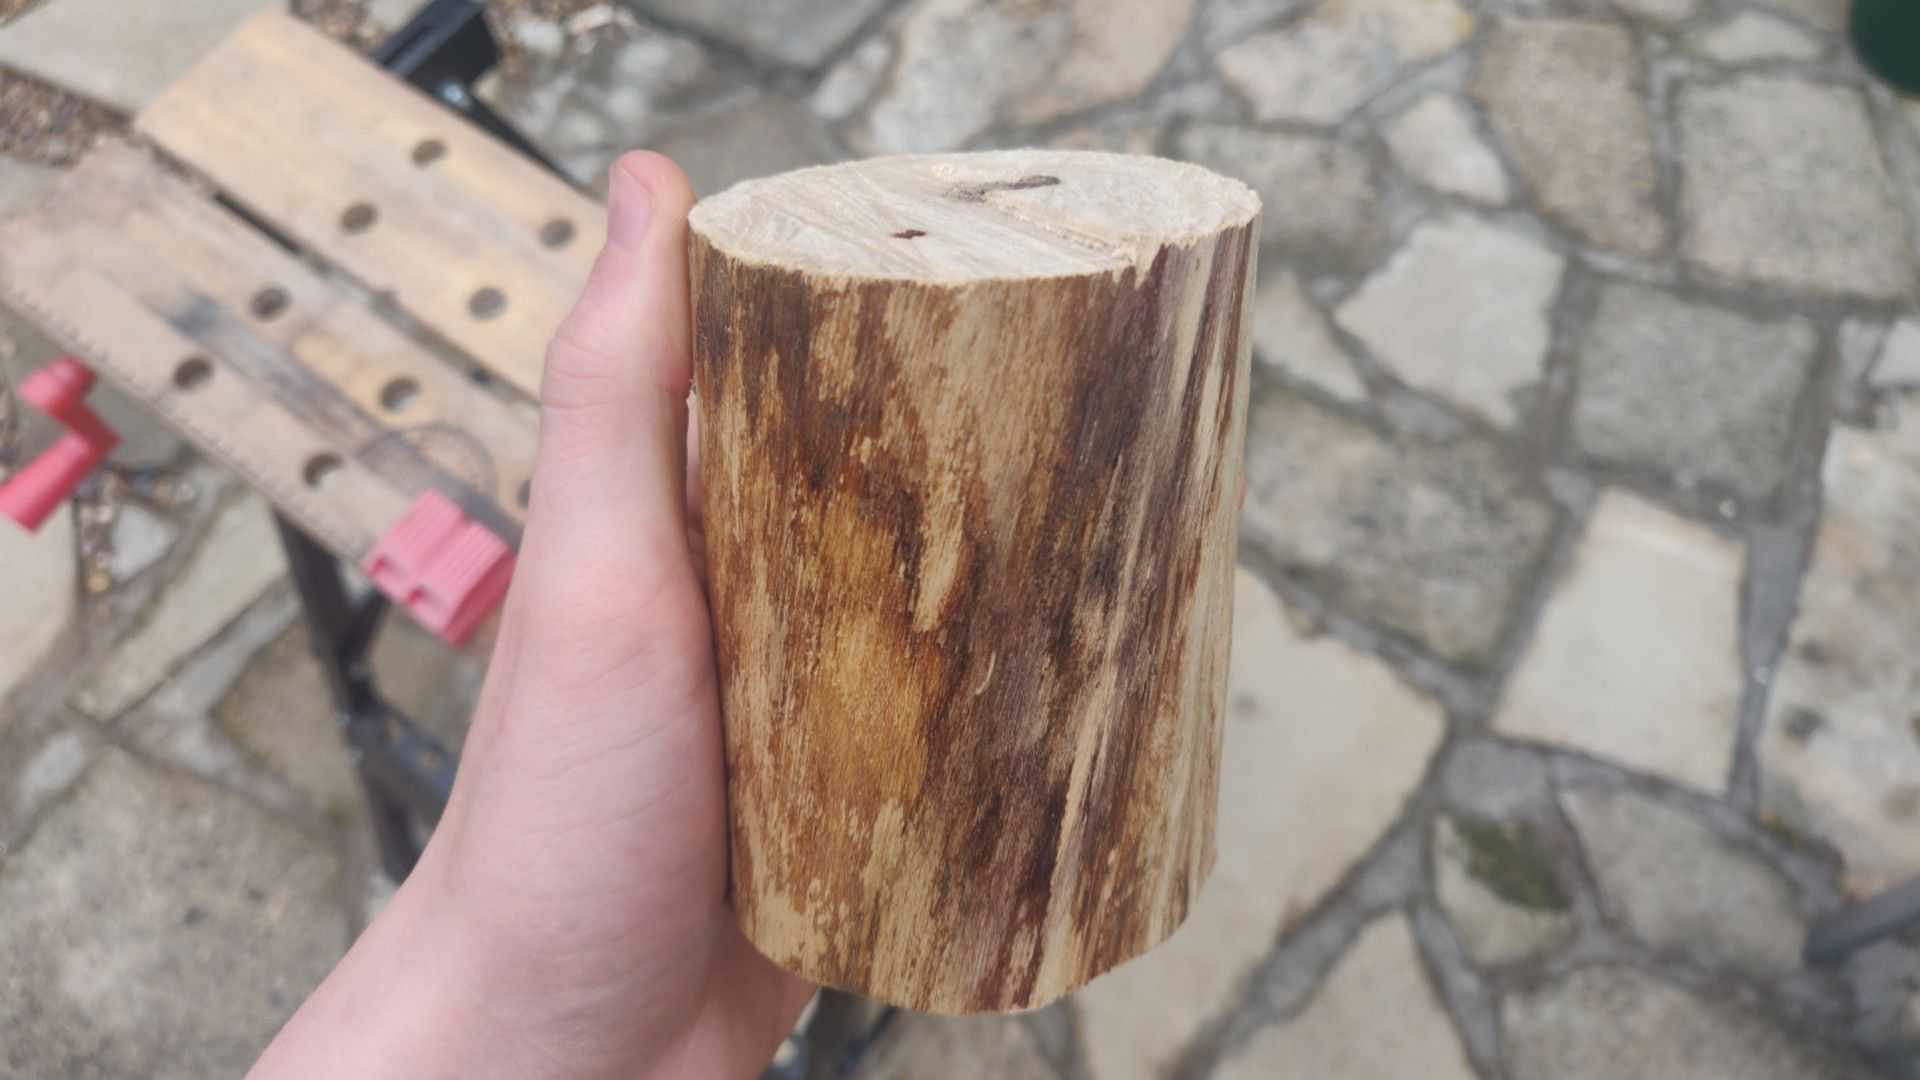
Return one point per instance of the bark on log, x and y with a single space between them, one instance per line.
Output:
971 432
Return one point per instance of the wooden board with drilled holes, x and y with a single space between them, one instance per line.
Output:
290 378
468 236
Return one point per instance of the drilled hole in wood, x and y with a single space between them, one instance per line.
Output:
428 151
525 494
269 302
192 373
557 233
319 467
359 217
487 303
398 393
909 234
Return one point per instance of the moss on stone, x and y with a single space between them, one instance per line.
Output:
1510 862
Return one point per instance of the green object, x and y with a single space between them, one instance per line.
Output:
1509 861
1886 34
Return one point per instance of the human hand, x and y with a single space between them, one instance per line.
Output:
568 918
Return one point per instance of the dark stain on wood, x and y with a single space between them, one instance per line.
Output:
977 193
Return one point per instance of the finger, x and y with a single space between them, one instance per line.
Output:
609 491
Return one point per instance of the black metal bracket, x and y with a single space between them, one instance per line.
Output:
406 773
446 48
445 41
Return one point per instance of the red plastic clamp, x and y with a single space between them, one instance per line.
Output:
448 572
60 391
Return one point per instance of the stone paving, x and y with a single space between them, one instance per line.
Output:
1575 659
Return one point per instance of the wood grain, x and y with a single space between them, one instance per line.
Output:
971 436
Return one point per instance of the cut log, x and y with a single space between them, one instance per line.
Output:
971 431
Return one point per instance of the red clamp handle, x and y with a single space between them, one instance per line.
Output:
60 391
448 572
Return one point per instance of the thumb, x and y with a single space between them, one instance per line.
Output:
609 499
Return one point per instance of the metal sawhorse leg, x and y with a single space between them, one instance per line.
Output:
407 774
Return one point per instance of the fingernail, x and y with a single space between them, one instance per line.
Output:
629 208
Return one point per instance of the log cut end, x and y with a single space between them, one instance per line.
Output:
970 436
1007 214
